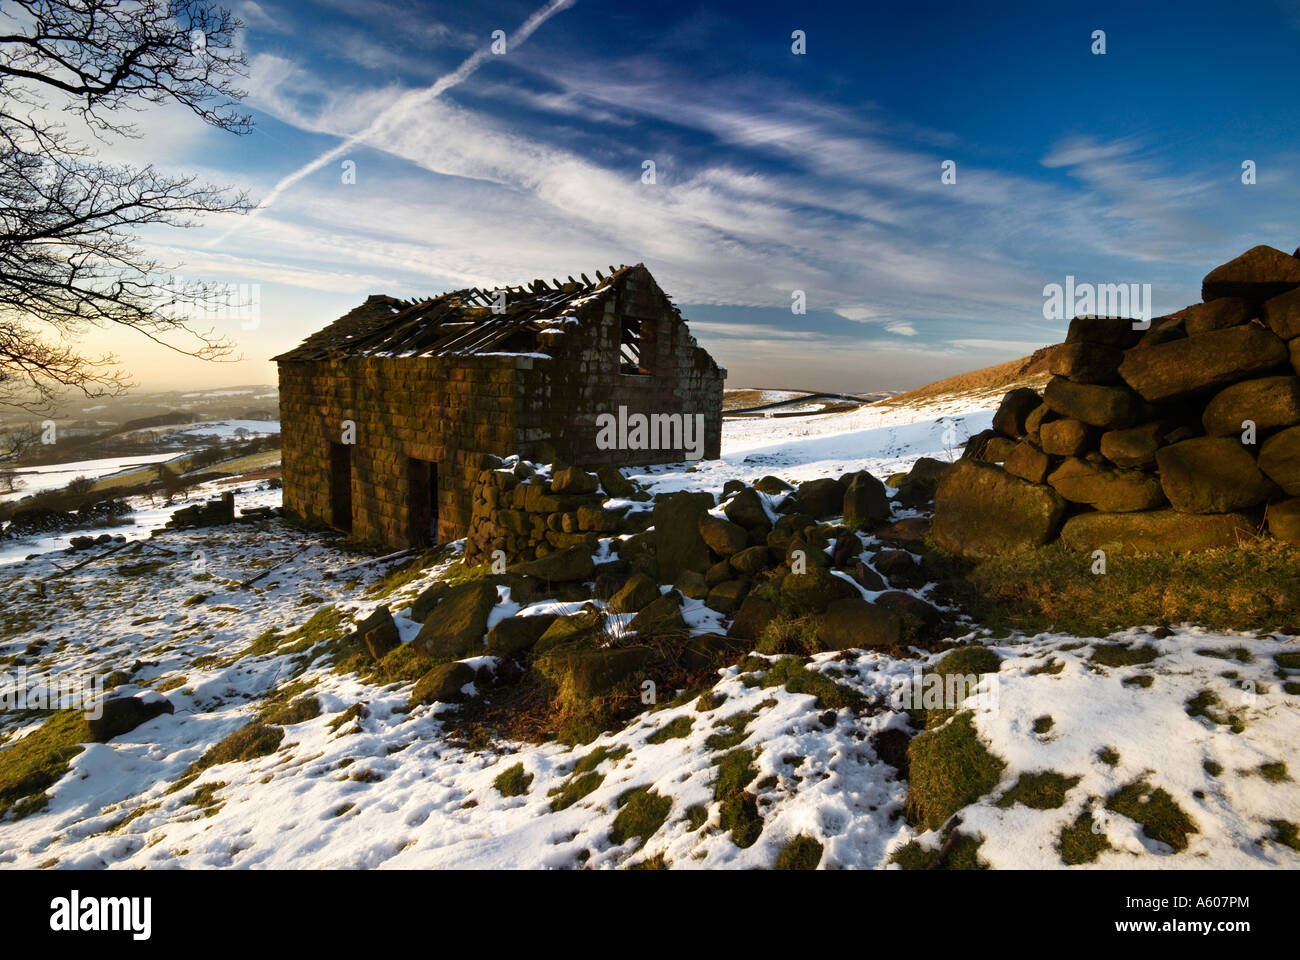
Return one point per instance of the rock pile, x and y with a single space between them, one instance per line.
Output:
1178 437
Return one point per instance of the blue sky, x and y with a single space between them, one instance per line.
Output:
775 172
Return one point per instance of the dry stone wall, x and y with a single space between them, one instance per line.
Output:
1184 436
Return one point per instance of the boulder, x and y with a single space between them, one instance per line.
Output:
637 593
910 531
865 503
922 623
379 633
561 566
1115 491
772 485
752 560
1016 406
1281 314
1034 422
119 715
1279 458
571 480
1084 362
722 570
661 617
1134 446
1163 330
443 684
516 635
1270 402
1156 531
723 537
1107 331
752 617
1200 364
583 674
726 597
455 627
821 498
898 567
427 600
678 544
1211 475
1066 438
1094 404
917 486
997 449
855 623
1028 462
976 445
613 482
813 590
565 630
981 511
1284 521
1217 314
1258 274
746 509
692 584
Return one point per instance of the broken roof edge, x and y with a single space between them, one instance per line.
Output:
386 326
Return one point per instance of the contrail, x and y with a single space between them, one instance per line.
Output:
407 101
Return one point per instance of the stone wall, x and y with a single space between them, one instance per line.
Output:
1183 436
527 514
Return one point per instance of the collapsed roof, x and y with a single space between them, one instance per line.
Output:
461 322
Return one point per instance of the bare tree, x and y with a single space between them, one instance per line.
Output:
69 254
13 445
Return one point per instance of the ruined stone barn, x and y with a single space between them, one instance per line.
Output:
387 413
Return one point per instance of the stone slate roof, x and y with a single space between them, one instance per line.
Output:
456 323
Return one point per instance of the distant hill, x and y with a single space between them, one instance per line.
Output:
993 381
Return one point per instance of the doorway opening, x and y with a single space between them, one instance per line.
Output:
422 507
341 486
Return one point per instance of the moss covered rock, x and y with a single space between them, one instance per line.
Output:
455 627
443 684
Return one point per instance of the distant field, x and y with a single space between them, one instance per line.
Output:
254 461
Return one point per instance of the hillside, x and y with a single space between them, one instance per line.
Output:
287 746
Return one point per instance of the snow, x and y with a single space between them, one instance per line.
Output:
390 789
56 476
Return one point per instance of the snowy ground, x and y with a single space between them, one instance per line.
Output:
56 476
388 789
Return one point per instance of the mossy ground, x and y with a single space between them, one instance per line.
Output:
1039 791
957 852
739 812
247 743
513 782
38 760
800 853
641 813
1208 705
1158 813
675 730
949 768
1081 841
1250 587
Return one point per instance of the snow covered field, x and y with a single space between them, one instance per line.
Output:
378 786
56 476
